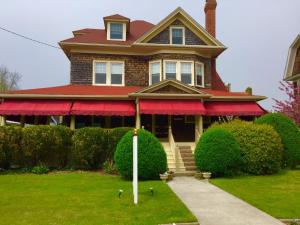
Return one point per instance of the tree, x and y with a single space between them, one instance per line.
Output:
291 106
8 80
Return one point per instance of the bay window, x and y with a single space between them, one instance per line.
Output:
179 70
199 72
108 73
170 70
155 72
186 72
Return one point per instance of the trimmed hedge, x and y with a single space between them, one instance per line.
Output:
151 156
218 152
10 146
46 145
289 133
261 146
89 148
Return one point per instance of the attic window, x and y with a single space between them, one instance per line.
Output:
116 31
177 35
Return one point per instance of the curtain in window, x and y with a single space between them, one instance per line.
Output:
199 75
155 73
177 36
100 73
171 70
186 73
116 31
116 73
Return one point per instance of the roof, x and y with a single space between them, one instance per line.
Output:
115 17
78 91
289 73
98 36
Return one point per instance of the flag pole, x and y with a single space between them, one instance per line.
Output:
135 166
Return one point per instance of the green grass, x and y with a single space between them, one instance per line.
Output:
85 198
278 195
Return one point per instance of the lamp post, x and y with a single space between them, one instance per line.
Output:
135 166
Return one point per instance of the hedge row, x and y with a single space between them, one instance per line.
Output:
57 146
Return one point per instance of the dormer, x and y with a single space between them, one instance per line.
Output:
117 27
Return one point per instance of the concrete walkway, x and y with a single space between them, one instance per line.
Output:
213 206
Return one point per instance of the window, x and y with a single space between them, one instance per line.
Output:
179 70
170 70
177 35
155 72
108 73
116 31
186 72
199 68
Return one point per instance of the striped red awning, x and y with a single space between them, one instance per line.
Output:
104 108
233 109
36 107
172 107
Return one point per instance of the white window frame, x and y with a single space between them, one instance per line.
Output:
178 69
108 31
183 34
202 67
108 72
150 72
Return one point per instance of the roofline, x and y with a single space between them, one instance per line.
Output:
292 78
47 96
172 96
291 58
238 98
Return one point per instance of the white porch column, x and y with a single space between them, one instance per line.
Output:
198 127
138 116
60 119
2 120
72 122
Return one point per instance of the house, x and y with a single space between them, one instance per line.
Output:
292 69
159 77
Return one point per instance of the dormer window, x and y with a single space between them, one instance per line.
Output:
116 31
177 35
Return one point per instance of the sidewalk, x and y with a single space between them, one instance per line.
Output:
213 206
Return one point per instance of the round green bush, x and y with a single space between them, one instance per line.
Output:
289 133
89 148
261 147
218 152
152 159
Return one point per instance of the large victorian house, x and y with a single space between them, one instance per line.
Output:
292 69
159 77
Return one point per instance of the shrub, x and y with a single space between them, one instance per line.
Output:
10 146
218 152
261 146
113 138
152 159
289 133
89 148
109 167
40 170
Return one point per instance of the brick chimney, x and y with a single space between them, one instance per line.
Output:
210 16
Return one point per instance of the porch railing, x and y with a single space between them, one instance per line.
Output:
173 147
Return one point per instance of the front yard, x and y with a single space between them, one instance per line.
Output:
278 195
85 198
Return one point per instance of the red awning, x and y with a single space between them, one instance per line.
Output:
36 107
172 107
104 108
233 109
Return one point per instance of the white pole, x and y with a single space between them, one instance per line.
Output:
135 166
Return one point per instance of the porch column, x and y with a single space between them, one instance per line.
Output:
72 122
198 127
22 121
2 120
138 116
60 119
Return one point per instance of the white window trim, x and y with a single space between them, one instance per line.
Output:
108 72
178 69
202 67
171 34
150 72
108 32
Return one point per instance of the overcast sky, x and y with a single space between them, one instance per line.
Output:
257 33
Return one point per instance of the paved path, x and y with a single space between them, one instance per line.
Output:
213 206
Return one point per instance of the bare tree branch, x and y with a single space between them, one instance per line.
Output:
8 80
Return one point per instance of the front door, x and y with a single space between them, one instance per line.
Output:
183 128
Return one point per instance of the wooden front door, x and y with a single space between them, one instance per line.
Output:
183 128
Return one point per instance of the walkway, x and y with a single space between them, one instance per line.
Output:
213 206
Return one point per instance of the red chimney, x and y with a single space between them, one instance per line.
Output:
210 16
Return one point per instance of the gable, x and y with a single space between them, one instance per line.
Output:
164 36
292 68
296 68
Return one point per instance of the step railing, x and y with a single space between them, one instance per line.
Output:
173 147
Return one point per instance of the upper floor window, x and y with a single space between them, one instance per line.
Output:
177 35
199 72
155 72
108 73
179 70
116 31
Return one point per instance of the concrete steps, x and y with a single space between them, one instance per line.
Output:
187 158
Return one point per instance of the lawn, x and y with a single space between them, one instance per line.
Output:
278 195
85 198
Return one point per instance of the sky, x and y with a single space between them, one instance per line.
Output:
258 34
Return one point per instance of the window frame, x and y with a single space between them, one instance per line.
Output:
171 34
108 72
178 69
202 68
108 31
160 70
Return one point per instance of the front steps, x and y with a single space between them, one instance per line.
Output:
185 165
